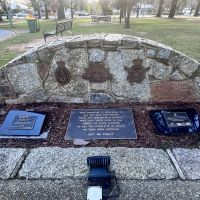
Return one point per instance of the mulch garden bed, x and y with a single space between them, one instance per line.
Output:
58 116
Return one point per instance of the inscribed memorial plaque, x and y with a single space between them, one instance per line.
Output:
175 122
22 123
89 124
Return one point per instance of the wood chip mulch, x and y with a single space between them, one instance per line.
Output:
58 116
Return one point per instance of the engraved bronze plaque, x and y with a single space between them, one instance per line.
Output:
23 122
89 124
97 73
62 74
136 74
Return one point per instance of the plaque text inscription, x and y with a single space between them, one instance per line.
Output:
101 124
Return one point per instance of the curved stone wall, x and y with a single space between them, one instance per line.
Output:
101 68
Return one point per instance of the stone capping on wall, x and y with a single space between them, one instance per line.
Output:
31 76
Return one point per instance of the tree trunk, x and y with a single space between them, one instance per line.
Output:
121 15
127 18
173 9
61 13
138 11
160 7
196 14
46 11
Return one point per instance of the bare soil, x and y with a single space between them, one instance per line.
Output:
58 117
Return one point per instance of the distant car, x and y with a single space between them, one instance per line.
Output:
81 13
22 14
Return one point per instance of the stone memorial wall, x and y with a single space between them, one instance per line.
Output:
100 68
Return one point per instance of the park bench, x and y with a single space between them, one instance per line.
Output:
60 28
101 18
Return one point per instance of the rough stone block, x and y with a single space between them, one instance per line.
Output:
76 62
164 54
158 70
24 78
189 66
184 91
10 161
130 42
6 92
101 98
59 163
189 162
96 55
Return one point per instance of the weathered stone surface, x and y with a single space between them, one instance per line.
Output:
43 70
45 54
158 70
96 55
189 162
6 91
128 163
94 40
189 66
66 99
75 62
197 79
36 96
101 86
79 41
184 91
24 78
101 98
112 39
74 189
130 41
152 53
36 71
177 76
116 62
164 54
10 161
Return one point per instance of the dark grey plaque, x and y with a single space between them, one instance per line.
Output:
177 119
23 122
89 124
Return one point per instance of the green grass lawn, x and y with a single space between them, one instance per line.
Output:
181 34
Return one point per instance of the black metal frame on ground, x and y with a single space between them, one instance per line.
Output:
60 28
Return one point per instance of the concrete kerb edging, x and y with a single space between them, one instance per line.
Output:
45 163
129 164
176 165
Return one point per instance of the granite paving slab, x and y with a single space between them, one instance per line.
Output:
76 190
61 163
10 161
189 162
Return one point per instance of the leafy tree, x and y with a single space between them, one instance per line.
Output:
104 6
196 14
36 6
173 8
46 3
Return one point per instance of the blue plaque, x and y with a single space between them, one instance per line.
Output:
22 123
176 122
90 124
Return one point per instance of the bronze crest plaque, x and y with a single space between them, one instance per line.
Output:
136 74
97 73
62 74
